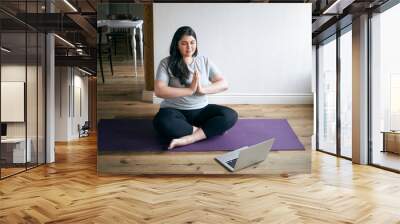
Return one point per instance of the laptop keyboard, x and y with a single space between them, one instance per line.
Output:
232 162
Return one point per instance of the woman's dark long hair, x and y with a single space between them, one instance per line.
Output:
176 64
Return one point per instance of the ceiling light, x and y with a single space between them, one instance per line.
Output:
5 50
65 41
337 7
70 5
86 72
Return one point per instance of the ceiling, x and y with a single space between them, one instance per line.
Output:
322 23
72 20
75 21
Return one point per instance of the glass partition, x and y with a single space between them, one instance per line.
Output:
22 88
385 89
327 96
346 93
14 145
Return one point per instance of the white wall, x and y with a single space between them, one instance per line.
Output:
80 84
69 81
61 103
17 73
14 73
31 79
264 50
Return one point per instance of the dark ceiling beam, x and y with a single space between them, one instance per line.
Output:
383 6
15 18
49 22
63 7
89 30
320 22
331 30
337 7
81 61
91 5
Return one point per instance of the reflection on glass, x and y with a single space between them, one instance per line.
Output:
31 101
394 102
327 97
386 89
346 94
41 99
13 86
23 88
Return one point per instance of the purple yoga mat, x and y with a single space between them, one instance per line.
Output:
139 135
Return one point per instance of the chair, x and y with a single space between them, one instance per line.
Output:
84 130
104 44
121 34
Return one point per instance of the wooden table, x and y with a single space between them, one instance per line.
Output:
132 26
391 141
16 147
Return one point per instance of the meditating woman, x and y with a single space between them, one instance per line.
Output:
183 80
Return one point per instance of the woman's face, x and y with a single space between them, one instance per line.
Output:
187 46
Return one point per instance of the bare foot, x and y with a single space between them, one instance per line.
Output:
178 142
194 129
188 139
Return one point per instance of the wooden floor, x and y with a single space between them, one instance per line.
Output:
70 191
386 159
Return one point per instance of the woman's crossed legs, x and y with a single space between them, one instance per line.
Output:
185 127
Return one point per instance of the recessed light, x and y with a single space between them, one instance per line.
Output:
70 5
64 40
5 50
86 72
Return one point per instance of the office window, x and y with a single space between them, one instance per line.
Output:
14 144
22 90
346 93
327 96
385 87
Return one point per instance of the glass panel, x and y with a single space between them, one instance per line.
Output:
327 97
346 93
386 89
13 87
22 79
41 99
31 100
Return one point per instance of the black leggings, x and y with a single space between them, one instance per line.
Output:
214 119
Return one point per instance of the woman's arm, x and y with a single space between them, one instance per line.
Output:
218 84
162 90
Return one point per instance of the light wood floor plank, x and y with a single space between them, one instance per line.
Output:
70 191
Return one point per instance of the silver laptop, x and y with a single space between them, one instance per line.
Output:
245 156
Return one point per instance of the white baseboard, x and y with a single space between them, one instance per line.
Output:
148 96
302 98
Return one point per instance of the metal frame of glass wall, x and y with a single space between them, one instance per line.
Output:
334 37
389 4
33 45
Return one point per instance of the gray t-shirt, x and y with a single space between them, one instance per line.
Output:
207 70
